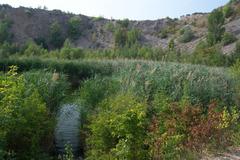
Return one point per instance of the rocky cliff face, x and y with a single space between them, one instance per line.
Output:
31 23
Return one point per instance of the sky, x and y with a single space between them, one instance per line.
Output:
120 9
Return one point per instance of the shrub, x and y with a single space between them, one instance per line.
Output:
74 25
74 69
118 130
123 23
98 18
228 38
56 37
215 27
187 35
228 11
69 52
120 37
177 126
7 49
32 49
125 38
5 35
25 121
171 45
211 56
41 41
109 26
133 36
217 126
237 48
163 33
234 57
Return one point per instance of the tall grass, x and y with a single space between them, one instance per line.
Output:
53 87
199 83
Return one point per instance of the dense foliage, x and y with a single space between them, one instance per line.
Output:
25 120
215 27
56 35
118 130
186 35
74 25
5 35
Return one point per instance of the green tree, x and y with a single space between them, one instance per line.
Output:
56 37
215 27
120 37
119 130
5 35
74 25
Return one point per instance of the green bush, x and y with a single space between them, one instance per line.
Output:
70 52
237 47
56 35
7 49
228 38
118 130
98 18
235 55
41 41
109 26
120 37
74 27
187 35
123 23
133 37
74 69
163 33
215 27
125 38
5 35
171 45
25 121
32 49
211 56
228 11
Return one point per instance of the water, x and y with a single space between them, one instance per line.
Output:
67 129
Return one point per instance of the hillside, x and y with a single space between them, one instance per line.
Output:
97 32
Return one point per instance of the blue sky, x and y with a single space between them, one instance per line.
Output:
119 9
